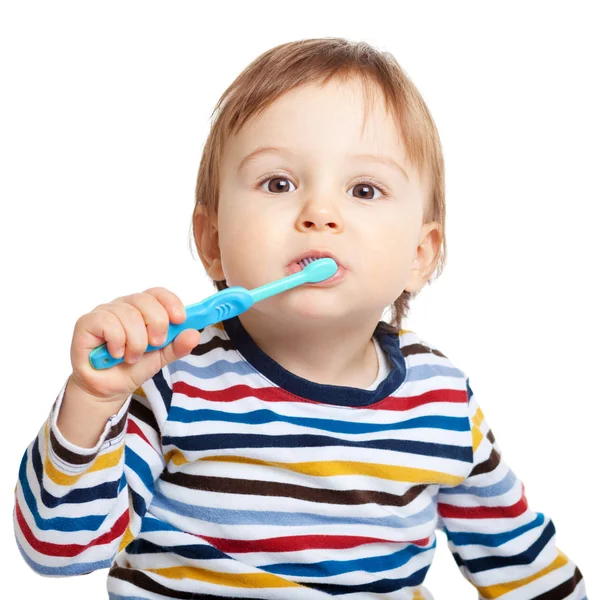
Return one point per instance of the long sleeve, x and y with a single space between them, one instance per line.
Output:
501 546
75 508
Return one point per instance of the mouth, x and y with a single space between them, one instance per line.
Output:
304 259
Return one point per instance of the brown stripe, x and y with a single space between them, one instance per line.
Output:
489 465
79 459
143 413
564 589
410 349
118 427
214 342
228 485
142 581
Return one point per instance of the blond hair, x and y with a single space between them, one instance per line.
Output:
290 65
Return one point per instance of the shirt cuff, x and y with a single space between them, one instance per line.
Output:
76 458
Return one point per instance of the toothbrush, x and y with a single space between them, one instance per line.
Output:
225 304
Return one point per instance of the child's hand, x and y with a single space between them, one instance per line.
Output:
127 325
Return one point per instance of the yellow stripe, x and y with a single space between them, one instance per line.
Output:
334 468
241 580
477 437
418 595
494 591
127 537
104 461
478 418
140 392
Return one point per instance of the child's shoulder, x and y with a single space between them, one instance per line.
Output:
411 342
427 357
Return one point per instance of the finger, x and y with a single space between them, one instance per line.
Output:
181 346
136 335
155 316
171 302
95 328
154 361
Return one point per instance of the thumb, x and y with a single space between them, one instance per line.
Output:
181 346
152 362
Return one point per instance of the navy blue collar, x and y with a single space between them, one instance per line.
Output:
328 394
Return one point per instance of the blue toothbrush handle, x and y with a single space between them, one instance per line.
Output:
226 304
220 306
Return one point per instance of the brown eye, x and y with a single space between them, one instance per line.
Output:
365 191
276 185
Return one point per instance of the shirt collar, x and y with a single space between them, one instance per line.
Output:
329 394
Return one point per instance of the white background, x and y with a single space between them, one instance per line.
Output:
104 110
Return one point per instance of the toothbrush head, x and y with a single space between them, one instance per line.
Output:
319 270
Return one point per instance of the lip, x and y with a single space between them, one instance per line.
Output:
333 280
294 267
315 254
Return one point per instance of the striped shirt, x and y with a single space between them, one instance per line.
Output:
227 476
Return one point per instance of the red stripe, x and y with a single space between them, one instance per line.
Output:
301 542
236 392
70 550
133 427
441 395
484 512
275 394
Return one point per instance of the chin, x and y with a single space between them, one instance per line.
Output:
309 305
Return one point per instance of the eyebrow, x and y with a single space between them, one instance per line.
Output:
384 160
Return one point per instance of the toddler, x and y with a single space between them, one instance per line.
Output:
305 449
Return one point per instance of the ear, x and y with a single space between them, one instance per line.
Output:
424 262
206 235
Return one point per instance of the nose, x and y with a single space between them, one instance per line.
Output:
319 214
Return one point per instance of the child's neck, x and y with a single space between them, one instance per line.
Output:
340 354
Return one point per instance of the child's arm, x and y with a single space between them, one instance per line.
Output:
76 507
501 546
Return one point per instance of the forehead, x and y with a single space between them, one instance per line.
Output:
336 116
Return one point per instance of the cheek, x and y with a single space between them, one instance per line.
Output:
253 253
385 239
389 254
249 235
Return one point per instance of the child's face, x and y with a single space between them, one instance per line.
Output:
317 197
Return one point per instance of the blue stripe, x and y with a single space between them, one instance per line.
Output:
526 557
152 524
138 502
260 417
225 441
330 568
486 491
286 519
424 372
137 464
166 393
89 523
216 369
73 569
381 586
492 540
76 496
196 551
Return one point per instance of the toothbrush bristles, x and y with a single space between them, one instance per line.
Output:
306 261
